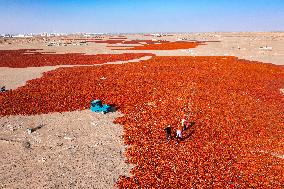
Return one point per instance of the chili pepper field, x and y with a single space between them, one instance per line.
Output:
30 58
236 139
149 44
163 45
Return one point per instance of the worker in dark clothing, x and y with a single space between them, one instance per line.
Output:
3 89
184 123
168 131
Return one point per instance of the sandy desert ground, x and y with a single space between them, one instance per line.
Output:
243 45
81 149
70 150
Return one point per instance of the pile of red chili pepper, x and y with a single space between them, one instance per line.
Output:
119 37
164 45
30 58
122 41
111 41
144 41
150 44
236 138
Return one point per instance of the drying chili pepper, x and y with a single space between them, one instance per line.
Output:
237 109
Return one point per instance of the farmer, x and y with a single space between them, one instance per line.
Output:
179 133
168 131
183 123
3 89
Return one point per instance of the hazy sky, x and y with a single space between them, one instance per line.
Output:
26 16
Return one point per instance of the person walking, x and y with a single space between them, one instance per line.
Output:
184 123
179 133
168 131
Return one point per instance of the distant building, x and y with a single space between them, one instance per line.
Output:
22 35
18 36
7 36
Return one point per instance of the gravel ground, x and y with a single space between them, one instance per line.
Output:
245 45
13 78
77 149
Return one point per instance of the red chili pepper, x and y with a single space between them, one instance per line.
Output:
237 113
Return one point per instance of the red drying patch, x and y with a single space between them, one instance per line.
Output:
164 46
107 41
121 40
29 58
143 41
236 104
118 38
88 39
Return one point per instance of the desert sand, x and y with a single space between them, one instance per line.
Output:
65 150
258 46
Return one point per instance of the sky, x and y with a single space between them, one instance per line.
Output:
137 16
